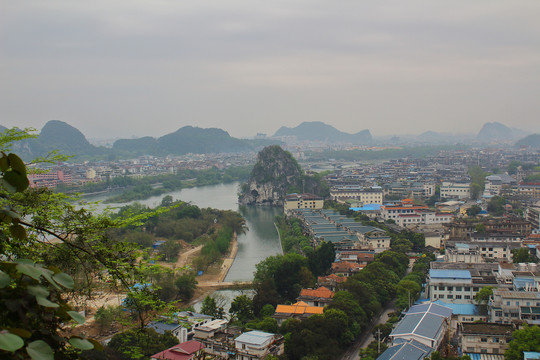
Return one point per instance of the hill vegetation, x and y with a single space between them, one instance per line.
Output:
319 131
276 174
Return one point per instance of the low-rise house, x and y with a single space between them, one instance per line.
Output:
331 281
299 310
181 325
185 351
256 344
406 350
316 297
425 323
346 268
484 338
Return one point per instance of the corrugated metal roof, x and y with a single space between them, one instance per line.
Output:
254 337
450 274
411 350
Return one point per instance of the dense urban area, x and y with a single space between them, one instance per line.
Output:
386 252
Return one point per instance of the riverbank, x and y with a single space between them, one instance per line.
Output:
209 282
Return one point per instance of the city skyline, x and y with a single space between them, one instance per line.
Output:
129 68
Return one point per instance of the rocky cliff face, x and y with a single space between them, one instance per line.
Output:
273 176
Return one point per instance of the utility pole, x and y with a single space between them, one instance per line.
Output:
379 341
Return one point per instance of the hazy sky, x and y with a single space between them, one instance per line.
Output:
123 68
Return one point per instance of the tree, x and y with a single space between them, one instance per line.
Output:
526 339
133 344
473 210
482 297
186 285
522 255
242 308
210 307
34 309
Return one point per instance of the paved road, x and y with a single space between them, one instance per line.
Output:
366 337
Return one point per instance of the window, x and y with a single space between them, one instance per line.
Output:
495 339
467 297
467 288
449 288
458 296
475 289
450 296
508 303
483 339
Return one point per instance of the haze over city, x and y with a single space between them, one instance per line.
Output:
136 68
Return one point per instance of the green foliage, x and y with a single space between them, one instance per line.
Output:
522 255
139 344
242 308
186 285
285 275
496 205
477 181
482 297
105 317
473 210
210 307
526 339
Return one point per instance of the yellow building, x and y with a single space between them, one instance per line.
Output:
303 201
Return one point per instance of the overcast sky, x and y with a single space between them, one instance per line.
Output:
134 68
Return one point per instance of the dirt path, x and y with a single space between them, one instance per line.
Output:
186 257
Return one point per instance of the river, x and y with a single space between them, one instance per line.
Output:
259 242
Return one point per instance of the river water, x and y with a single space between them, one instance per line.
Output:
259 242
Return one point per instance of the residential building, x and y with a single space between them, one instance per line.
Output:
425 323
303 201
182 325
185 351
454 190
407 350
299 310
506 306
373 195
257 344
331 281
316 297
484 338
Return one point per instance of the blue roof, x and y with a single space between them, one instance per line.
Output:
367 207
460 309
530 355
411 350
450 274
477 356
425 320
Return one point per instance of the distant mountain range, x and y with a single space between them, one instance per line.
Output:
319 131
58 135
531 140
497 132
185 140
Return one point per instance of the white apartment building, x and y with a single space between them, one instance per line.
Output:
364 195
451 286
507 306
452 190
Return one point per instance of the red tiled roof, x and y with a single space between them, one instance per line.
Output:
321 292
183 351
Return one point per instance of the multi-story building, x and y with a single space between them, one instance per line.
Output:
373 195
454 190
485 338
303 201
257 344
506 306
